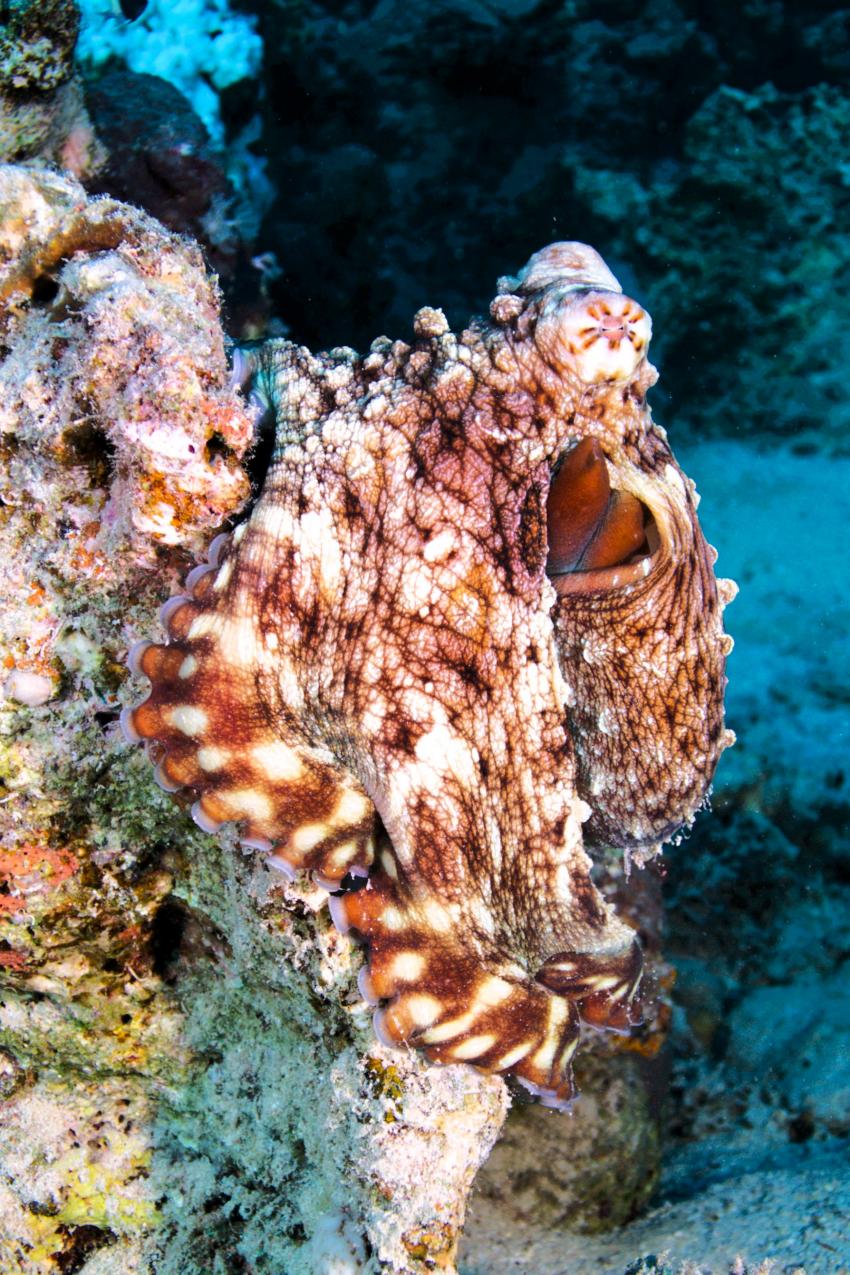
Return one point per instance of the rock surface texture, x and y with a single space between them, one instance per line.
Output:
43 116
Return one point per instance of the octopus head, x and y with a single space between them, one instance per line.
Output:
598 336
586 327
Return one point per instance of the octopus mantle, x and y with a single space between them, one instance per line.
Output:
471 626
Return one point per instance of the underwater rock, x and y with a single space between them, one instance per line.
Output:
593 1176
159 151
159 157
203 48
42 111
758 246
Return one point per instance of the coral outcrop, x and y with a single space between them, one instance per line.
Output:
183 1042
202 48
120 442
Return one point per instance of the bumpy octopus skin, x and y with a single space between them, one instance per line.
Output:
471 624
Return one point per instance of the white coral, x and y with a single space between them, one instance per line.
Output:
192 44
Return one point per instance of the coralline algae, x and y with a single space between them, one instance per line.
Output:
43 116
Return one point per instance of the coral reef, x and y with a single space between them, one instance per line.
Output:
113 380
154 89
765 266
159 157
42 111
714 173
200 47
142 963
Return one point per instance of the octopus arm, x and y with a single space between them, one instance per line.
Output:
470 626
434 992
209 731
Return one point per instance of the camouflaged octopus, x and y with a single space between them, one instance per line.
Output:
470 628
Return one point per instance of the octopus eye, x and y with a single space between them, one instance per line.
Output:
600 337
598 537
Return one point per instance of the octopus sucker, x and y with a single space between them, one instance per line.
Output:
470 629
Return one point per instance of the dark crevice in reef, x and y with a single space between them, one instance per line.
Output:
45 289
88 445
181 939
80 1243
167 933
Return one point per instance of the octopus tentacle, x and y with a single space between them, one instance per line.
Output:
438 996
210 735
604 986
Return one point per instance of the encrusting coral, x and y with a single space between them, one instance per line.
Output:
109 333
43 115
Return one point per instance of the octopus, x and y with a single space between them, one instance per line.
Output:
470 632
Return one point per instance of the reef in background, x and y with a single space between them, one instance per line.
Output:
175 100
700 148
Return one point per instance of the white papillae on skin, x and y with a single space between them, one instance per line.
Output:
382 637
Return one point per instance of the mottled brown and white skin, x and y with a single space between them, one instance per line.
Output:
470 625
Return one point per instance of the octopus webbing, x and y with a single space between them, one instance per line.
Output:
470 628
